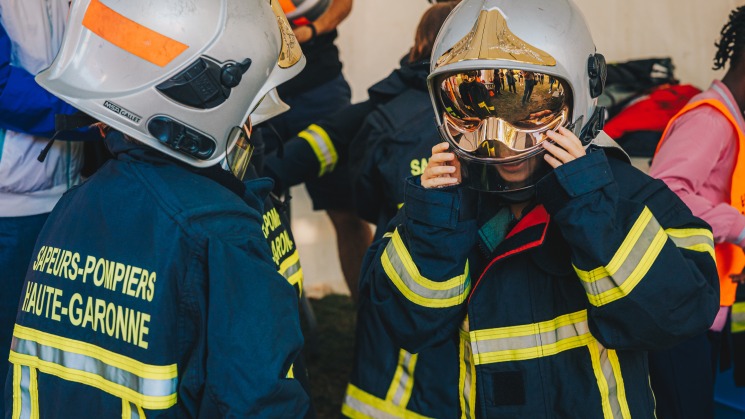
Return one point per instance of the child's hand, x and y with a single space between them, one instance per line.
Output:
565 148
443 168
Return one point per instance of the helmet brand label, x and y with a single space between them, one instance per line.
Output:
123 112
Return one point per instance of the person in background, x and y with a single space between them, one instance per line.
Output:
701 157
318 92
152 291
554 264
28 189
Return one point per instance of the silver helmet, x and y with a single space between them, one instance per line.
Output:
504 73
181 76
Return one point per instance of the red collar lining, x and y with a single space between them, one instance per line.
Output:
536 217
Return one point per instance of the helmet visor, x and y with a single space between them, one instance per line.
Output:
501 114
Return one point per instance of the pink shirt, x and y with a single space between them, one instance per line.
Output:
697 159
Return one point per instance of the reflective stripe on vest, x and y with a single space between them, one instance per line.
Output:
359 404
322 146
403 272
548 338
402 384
467 377
131 410
738 317
25 393
730 258
153 387
292 271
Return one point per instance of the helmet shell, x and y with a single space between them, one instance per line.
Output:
116 53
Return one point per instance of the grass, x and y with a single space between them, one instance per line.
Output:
330 355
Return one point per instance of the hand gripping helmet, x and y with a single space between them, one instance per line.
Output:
181 76
503 73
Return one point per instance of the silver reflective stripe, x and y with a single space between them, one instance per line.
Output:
25 392
413 285
135 411
692 241
607 369
366 409
610 378
467 390
322 146
640 257
406 365
537 341
83 363
291 270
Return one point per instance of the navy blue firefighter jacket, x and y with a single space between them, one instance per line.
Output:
153 293
553 313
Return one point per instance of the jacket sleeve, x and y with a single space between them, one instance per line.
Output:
316 150
418 275
24 105
645 262
253 333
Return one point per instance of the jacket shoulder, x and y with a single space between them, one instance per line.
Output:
635 185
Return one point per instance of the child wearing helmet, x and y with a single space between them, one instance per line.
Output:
152 291
530 240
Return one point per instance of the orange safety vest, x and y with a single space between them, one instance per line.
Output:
730 258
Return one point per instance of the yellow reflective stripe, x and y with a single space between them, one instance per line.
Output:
322 146
738 317
359 404
153 372
126 410
466 378
388 235
695 239
620 386
93 380
402 384
629 265
25 392
16 391
608 375
600 378
519 343
291 372
403 272
292 271
33 390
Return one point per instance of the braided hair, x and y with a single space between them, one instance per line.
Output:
733 39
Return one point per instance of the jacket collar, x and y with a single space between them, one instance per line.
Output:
408 76
529 233
130 150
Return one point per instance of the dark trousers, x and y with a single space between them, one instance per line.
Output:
682 378
17 239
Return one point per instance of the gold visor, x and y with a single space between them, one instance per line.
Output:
501 113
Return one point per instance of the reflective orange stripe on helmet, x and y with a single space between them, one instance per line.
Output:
130 35
730 258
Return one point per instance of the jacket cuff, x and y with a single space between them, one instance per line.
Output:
576 178
442 207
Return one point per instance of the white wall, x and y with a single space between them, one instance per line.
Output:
379 32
